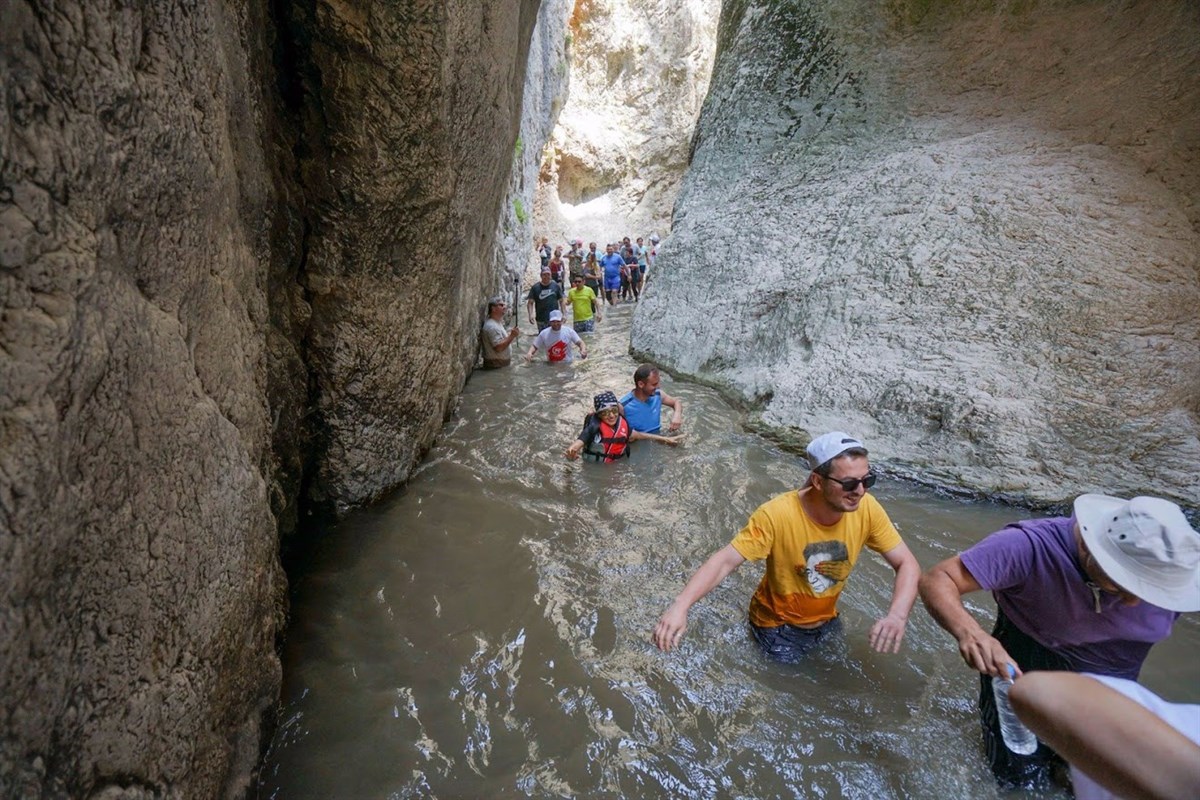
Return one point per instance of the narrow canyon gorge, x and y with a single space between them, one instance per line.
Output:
245 251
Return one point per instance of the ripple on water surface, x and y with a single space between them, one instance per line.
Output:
485 631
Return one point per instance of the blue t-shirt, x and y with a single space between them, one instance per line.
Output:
612 266
644 416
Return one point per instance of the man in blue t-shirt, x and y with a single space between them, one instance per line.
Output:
611 263
643 406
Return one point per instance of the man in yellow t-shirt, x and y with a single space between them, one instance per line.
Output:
811 539
583 306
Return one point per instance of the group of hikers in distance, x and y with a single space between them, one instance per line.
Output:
1081 599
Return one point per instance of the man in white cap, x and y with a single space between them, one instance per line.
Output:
811 539
556 341
1087 593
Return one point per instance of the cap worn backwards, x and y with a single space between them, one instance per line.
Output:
830 445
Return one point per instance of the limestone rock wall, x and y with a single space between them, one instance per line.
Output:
411 119
639 73
142 591
968 232
242 253
547 79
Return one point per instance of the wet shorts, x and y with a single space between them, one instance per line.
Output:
612 285
584 326
790 644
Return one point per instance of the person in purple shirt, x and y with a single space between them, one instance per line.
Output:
1092 592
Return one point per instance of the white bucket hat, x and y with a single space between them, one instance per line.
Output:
1146 546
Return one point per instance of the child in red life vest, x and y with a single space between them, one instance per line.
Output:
606 434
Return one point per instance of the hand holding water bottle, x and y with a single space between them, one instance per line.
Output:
1017 738
984 653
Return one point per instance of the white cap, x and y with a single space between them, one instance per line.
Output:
830 445
556 316
1145 545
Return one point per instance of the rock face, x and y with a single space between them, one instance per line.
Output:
639 72
410 123
969 233
139 553
547 79
224 237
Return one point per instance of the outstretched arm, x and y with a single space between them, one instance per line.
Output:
676 404
670 628
1113 739
942 588
887 633
654 437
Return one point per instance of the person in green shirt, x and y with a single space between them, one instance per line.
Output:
585 309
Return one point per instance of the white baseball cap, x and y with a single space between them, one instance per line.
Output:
830 445
556 316
1145 545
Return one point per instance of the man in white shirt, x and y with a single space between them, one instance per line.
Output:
556 340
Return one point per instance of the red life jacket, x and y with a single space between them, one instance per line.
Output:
614 441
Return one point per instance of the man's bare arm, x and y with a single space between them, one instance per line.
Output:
942 588
1113 739
887 633
676 404
671 627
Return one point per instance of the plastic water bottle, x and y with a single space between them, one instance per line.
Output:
1017 737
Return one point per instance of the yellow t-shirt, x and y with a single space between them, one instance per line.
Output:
792 591
581 303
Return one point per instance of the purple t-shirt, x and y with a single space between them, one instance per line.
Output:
1032 569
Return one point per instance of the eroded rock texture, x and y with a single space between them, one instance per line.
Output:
410 124
223 235
639 72
547 78
967 232
141 581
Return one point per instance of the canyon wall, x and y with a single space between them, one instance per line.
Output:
547 80
968 232
410 123
639 73
243 250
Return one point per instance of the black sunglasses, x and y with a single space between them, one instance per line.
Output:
850 484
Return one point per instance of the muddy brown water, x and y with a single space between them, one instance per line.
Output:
485 631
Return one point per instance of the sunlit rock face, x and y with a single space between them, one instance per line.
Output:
639 72
966 232
547 77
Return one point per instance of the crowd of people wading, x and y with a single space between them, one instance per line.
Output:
1080 599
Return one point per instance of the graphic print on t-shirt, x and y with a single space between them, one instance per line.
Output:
558 351
833 561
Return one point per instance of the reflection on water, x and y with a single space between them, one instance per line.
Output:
485 632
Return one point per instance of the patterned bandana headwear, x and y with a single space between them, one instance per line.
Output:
605 400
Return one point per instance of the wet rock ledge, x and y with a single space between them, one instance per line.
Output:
242 250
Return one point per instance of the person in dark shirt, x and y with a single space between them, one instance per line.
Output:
544 296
